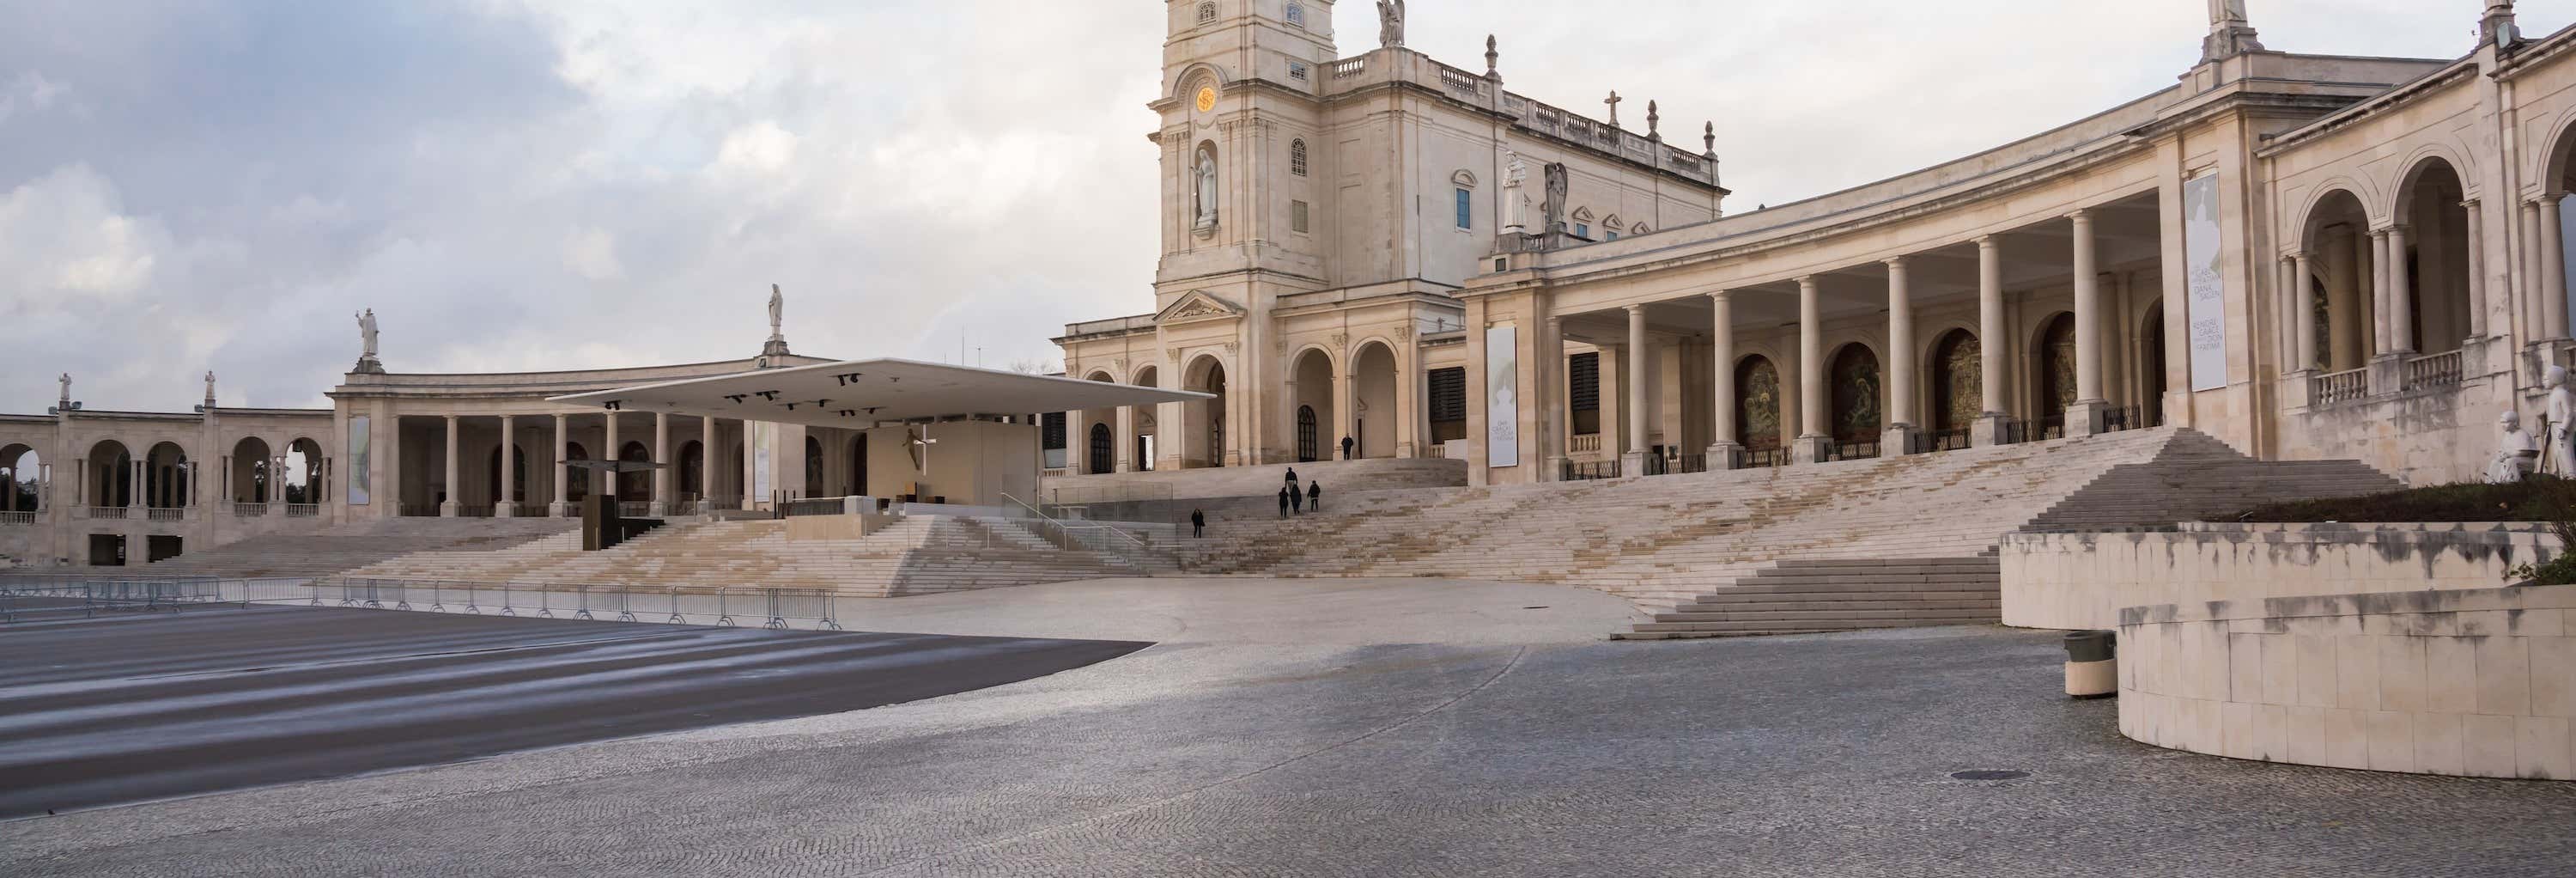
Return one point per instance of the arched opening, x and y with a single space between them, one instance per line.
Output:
1855 383
813 466
304 471
858 480
1373 382
693 470
251 476
2151 366
1203 421
1958 381
22 473
1092 422
492 482
2053 360
1099 450
1757 403
1311 391
165 476
2337 235
576 479
1149 423
111 474
636 485
2436 260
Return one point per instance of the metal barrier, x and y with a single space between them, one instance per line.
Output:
814 506
1588 470
42 596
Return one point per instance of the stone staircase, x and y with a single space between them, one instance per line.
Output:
1809 597
351 546
919 554
2197 478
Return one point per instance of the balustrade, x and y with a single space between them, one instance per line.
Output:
303 510
2335 387
2433 370
107 512
7 518
249 510
162 514
1584 443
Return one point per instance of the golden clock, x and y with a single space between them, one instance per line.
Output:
1207 98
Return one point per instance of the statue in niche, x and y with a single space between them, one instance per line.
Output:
1390 22
1553 209
2517 455
2562 410
1206 176
367 334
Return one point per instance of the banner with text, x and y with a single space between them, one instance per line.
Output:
1502 397
2207 301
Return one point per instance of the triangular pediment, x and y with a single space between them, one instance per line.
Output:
1197 305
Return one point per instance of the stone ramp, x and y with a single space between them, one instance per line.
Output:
351 546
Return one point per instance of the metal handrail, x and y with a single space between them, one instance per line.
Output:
1059 523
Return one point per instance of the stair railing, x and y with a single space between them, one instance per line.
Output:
1066 537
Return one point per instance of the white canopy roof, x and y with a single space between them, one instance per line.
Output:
858 393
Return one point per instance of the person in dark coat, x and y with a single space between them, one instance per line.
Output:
1292 478
1296 499
1347 442
1283 502
1315 496
1198 523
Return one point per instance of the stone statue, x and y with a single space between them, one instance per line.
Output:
1553 209
1390 22
67 387
2226 12
777 311
2517 456
2562 411
1206 173
210 386
367 333
1515 202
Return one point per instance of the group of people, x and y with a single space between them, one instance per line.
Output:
2521 454
1295 502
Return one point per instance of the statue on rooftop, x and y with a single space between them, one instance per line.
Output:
210 385
777 311
2517 456
367 334
1390 22
67 387
2562 410
1515 202
1552 211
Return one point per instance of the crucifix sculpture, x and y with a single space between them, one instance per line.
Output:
1613 101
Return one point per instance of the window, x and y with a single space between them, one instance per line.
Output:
1297 14
1583 230
1297 157
1297 217
1448 404
1466 210
1297 70
1583 392
1207 13
1614 234
1051 438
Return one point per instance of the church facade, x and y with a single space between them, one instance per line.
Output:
2307 256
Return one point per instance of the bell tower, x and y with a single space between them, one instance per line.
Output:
1240 106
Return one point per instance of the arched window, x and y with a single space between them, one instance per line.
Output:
859 465
2057 367
1757 404
1297 14
813 467
576 479
1306 449
1958 385
1100 449
1855 386
637 485
1207 13
1297 154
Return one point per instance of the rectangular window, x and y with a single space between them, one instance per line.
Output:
1297 71
1448 404
1051 439
1466 211
1613 235
1297 217
1583 392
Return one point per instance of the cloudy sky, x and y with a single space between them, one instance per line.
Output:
218 184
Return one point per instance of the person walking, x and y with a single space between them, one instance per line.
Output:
1315 495
1296 499
1198 523
1347 443
1283 502
1292 478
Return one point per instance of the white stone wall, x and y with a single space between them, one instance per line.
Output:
2470 682
2082 580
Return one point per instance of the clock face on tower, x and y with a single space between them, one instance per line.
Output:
1207 98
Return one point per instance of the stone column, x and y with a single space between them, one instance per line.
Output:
1897 429
1723 451
2304 355
1633 462
2401 295
1815 443
2084 417
661 455
2380 343
562 506
2553 272
446 508
277 481
707 458
136 496
610 453
2477 290
507 505
2343 299
1992 422
1555 407
1125 453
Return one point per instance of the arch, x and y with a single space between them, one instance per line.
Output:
2053 362
2436 258
1464 179
1373 384
1102 376
693 470
2361 193
1100 450
110 475
1757 403
1295 14
1958 380
858 465
636 485
2335 232
2425 158
304 470
1205 185
22 473
576 479
1198 74
2559 163
1203 435
1297 156
492 475
165 476
813 466
1853 378
1311 374
250 471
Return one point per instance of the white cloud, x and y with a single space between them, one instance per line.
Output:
592 254
64 240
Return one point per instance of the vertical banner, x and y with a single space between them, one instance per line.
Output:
764 471
358 454
1502 397
2208 291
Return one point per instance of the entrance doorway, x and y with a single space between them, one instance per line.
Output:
106 550
159 547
